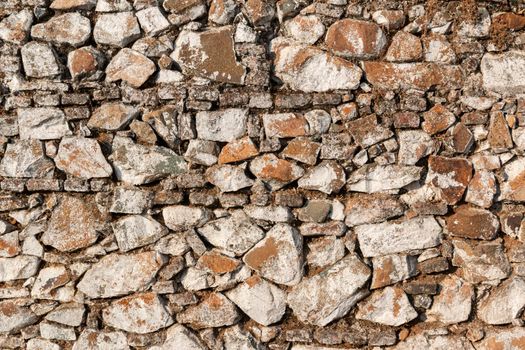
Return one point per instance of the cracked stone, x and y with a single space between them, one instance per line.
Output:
82 157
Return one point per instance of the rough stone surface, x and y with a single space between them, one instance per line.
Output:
69 28
131 67
356 39
389 306
116 29
82 157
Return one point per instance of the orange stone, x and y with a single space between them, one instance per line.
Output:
437 119
302 150
450 175
474 223
238 150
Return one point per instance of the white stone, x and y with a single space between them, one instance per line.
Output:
305 29
113 6
180 337
70 314
14 316
389 306
82 157
504 73
44 123
41 344
215 310
26 158
453 303
414 145
181 217
99 340
69 28
377 178
228 178
48 281
202 152
274 213
19 267
505 303
136 231
479 28
116 29
39 60
15 27
130 200
327 177
57 332
224 126
152 21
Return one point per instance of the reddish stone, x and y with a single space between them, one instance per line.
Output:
437 119
303 150
405 47
367 132
508 21
499 135
354 38
450 175
462 138
406 120
238 150
284 125
474 223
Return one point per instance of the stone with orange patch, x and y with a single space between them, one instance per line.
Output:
454 302
472 222
112 116
390 269
215 310
437 119
513 186
306 29
450 176
131 67
367 131
275 172
389 306
15 316
70 28
84 62
217 263
283 125
15 27
82 157
356 39
9 244
98 340
237 151
512 338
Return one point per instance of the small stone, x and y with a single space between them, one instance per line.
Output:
513 188
152 21
18 268
369 209
284 125
9 244
316 210
130 200
237 338
367 132
325 251
180 217
437 119
137 231
327 177
84 62
389 306
278 257
74 224
392 237
117 274
414 145
130 66
40 60
228 178
82 157
216 263
462 138
139 164
73 4
116 29
377 178
390 269
504 303
391 19
70 314
356 39
69 28
180 336
454 302
474 223
499 137
261 300
302 150
330 295
259 12
14 317
222 12
26 158
209 54
305 29
139 313
450 175
202 152
275 172
225 126
238 150
214 311
112 116
100 340
15 27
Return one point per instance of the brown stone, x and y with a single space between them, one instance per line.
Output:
355 38
218 263
83 62
462 138
275 171
284 125
130 66
437 119
499 137
406 120
471 222
405 47
508 21
482 189
259 12
237 151
450 175
302 150
367 132
474 118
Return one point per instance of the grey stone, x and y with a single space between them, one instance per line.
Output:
116 29
136 231
45 123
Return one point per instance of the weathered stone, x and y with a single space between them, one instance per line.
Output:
92 339
513 188
46 123
330 295
369 209
327 177
48 282
40 60
180 217
69 28
129 200
275 172
238 150
391 237
18 267
309 69
504 73
112 116
74 224
180 336
504 339
505 303
136 231
41 344
437 119
356 39
14 317
9 244
260 12
367 132
15 27
26 158
434 342
438 49
414 145
499 137
278 257
302 150
325 251
130 66
214 311
376 178
209 54
405 47
390 269
305 29
225 126
216 263
202 152
389 306
222 12
70 314
116 29
228 178
152 21
84 62
73 4
471 222
450 175
477 28
82 157
139 313
454 302
462 138
139 164
284 125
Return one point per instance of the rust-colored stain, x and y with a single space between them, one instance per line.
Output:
214 301
295 125
257 257
219 263
278 169
253 281
8 308
382 274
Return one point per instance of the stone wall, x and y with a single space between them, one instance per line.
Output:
230 174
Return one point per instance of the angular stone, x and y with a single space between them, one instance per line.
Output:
438 49
69 28
18 268
84 62
82 157
14 317
278 257
504 73
369 209
367 132
454 302
373 178
389 306
41 344
437 119
308 69
275 172
477 28
319 121
48 281
15 27
228 178
330 295
45 123
26 158
390 269
504 339
130 66
136 231
57 332
202 152
450 175
327 177
324 251
116 29
180 217
474 223
392 237
70 314
505 303
480 261
356 39
260 12
222 11
405 76
112 116
499 137
139 164
235 234
139 313
225 126
214 311
117 274
39 60
99 340
209 54
305 29
152 21
238 150
9 244
284 125
74 224
274 213
513 186
262 301
179 336
434 342
462 138
129 200
405 47
414 145
391 19
216 263
73 4
302 150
